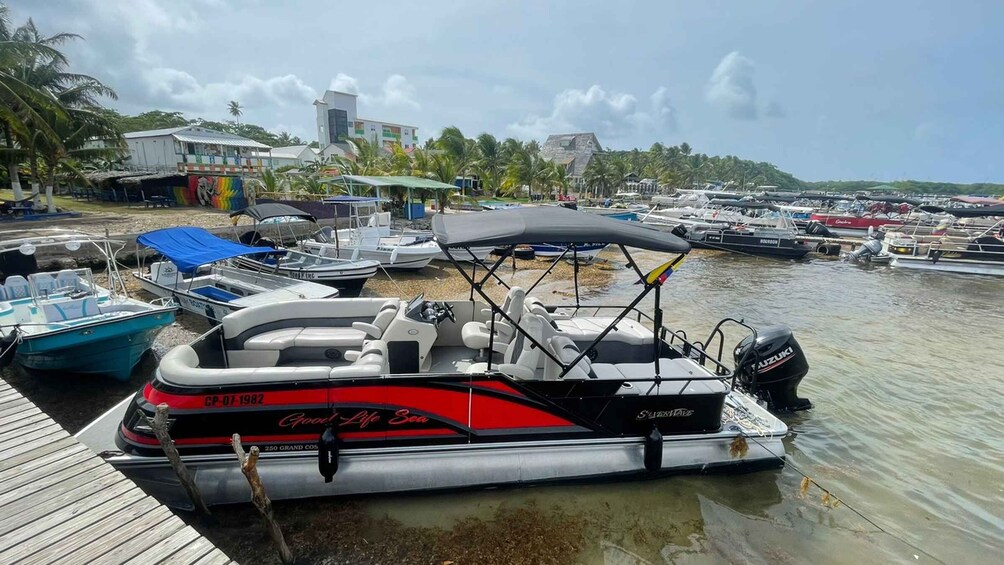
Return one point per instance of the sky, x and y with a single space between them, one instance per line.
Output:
826 90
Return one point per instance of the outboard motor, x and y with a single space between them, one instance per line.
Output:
773 369
816 228
679 231
868 249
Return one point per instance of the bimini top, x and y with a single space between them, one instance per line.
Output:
190 248
261 212
977 212
547 224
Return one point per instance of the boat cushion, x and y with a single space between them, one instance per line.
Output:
323 312
371 362
286 338
565 350
476 335
683 369
587 329
213 293
181 366
17 287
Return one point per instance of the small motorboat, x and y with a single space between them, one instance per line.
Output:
347 275
371 237
64 321
366 396
584 251
753 228
194 273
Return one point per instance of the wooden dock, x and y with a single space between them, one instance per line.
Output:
60 503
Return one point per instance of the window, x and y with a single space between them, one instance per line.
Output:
338 125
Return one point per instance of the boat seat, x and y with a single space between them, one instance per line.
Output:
566 351
371 361
521 357
681 368
67 279
586 329
17 287
478 335
285 338
214 293
70 309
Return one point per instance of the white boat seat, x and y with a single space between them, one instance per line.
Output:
17 287
70 309
681 368
181 366
285 338
521 357
477 335
68 279
372 361
586 329
566 351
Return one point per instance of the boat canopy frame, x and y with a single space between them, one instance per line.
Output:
29 241
456 234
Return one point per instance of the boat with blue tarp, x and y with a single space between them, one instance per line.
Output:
195 273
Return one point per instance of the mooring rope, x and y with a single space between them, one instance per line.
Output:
829 494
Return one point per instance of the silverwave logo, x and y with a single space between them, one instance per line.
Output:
674 413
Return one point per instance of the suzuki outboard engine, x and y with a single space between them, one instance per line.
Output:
868 249
816 228
773 368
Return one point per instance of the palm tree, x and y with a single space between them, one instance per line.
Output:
67 118
236 110
444 169
490 163
559 178
284 138
527 168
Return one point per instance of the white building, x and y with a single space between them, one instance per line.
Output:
338 122
293 155
193 149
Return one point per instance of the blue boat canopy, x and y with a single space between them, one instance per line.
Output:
190 248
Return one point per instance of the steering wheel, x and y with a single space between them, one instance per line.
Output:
449 312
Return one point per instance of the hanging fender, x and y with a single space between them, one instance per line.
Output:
653 450
327 454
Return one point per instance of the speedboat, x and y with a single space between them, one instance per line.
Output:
195 275
64 321
744 231
365 396
347 275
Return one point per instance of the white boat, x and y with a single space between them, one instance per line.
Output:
347 275
62 320
980 252
194 274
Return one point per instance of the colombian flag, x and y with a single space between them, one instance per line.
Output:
659 274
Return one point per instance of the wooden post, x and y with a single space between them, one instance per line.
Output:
159 426
259 498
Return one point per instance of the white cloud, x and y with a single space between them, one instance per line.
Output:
344 83
613 115
397 91
731 87
184 91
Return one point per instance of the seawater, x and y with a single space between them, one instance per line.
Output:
907 382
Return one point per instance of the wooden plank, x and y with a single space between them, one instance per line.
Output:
20 415
49 480
18 439
26 420
47 537
190 553
130 522
39 468
161 551
30 433
15 406
76 451
31 444
77 500
118 549
8 484
9 461
8 395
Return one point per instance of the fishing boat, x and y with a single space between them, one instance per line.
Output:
370 237
194 273
366 396
753 228
978 252
347 275
64 321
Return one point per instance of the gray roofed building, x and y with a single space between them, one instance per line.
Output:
574 150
